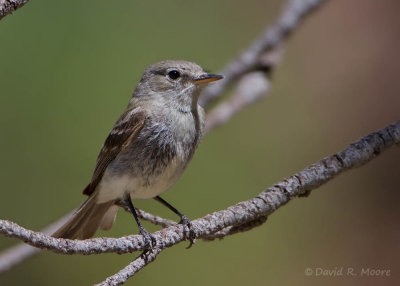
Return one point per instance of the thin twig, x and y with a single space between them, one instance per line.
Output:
131 269
293 13
9 6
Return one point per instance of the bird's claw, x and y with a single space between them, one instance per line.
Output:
188 229
149 240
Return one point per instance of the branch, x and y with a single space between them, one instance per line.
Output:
250 88
294 12
9 6
248 213
16 254
131 269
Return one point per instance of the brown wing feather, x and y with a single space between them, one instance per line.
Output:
124 131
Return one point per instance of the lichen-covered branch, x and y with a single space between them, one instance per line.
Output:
16 254
131 269
9 6
239 217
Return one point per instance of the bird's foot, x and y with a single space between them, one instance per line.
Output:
149 240
188 229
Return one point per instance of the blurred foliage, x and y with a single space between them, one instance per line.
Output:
67 72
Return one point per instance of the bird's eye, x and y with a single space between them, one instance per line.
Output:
174 74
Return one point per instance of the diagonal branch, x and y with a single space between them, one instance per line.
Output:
131 269
234 217
294 12
9 6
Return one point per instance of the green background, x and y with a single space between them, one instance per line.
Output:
67 71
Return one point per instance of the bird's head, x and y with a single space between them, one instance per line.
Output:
174 81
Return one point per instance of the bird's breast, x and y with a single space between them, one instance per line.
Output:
154 160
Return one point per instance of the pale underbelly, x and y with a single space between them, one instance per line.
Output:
115 187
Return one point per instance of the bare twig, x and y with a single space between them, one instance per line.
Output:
154 219
9 6
131 269
251 87
293 13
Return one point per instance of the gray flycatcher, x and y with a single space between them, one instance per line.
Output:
147 150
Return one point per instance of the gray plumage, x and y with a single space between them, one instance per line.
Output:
148 148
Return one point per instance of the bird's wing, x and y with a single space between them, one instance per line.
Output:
125 130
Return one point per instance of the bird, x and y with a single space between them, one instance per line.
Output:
147 150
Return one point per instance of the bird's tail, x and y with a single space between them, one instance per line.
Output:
87 219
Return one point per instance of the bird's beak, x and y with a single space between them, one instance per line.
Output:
208 78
